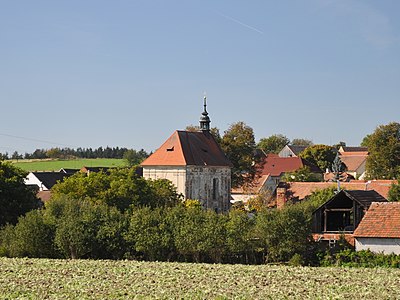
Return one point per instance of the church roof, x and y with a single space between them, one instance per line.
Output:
188 148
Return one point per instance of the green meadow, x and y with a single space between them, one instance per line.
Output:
56 165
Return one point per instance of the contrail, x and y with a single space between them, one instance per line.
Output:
35 140
240 23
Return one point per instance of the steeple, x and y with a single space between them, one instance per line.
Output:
205 119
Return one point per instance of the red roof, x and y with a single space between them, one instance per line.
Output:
382 220
188 148
301 190
353 162
275 165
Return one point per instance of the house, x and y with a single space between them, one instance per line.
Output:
291 151
261 184
44 180
195 164
342 214
277 166
379 230
272 168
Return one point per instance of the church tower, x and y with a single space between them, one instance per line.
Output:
194 162
205 119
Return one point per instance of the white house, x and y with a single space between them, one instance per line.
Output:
195 164
379 230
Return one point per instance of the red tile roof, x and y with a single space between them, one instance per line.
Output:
301 190
382 220
353 162
275 165
188 148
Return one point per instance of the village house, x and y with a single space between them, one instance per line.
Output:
44 181
195 164
379 230
342 214
267 180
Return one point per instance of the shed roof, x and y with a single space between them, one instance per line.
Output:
188 148
363 198
382 220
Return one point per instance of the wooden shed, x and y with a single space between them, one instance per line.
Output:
341 214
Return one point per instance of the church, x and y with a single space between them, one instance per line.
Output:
195 164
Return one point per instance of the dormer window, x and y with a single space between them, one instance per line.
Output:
170 149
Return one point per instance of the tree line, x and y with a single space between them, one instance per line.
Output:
68 153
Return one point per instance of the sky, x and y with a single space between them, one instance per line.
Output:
128 73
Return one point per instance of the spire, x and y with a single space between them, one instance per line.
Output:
205 119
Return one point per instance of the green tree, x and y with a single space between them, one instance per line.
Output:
133 157
394 192
239 146
32 236
283 233
319 155
239 234
16 198
150 234
273 144
302 142
121 188
383 161
303 174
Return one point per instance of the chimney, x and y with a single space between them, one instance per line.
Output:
281 197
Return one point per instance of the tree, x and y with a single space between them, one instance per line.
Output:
319 155
133 157
16 198
239 146
394 192
273 144
120 188
383 161
302 142
303 174
33 236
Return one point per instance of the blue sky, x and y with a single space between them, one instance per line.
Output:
128 73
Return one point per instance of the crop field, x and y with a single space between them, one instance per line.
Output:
55 165
90 279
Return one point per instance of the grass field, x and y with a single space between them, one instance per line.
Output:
89 279
55 165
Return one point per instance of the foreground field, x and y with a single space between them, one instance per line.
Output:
55 165
89 279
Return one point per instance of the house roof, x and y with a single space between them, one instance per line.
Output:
382 220
353 150
188 148
49 179
300 190
85 169
275 165
363 198
69 171
296 149
353 162
253 188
